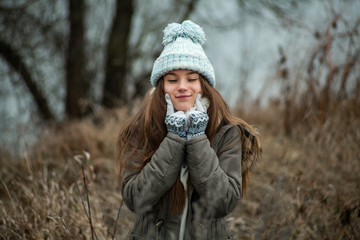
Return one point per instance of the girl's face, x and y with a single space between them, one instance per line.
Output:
183 86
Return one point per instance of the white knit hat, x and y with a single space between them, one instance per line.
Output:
183 50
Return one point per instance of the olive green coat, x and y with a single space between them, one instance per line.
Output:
215 190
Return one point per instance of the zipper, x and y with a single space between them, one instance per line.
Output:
159 223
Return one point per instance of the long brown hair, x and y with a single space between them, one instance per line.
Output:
147 129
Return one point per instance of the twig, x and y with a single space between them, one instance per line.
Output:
82 201
80 159
88 202
117 218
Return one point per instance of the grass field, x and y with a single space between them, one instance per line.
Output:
306 186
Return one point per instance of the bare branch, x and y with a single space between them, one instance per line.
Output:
16 62
117 218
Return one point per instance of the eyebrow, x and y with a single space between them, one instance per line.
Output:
188 73
192 72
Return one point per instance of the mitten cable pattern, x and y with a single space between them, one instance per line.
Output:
198 124
175 123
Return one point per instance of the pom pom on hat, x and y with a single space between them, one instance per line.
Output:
183 50
187 29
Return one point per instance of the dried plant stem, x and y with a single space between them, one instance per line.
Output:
88 211
88 203
117 218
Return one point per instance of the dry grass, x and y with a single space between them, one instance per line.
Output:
43 194
306 187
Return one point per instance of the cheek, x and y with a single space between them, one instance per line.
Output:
166 89
169 89
198 89
173 99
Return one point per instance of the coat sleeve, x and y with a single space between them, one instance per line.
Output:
141 189
216 178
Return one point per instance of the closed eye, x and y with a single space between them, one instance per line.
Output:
192 79
172 80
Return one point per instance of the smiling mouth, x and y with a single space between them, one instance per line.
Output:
183 96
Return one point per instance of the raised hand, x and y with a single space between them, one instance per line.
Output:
175 121
198 119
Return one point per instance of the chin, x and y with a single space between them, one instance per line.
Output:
183 108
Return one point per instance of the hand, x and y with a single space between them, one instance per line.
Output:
175 121
198 119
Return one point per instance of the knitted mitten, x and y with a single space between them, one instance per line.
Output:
198 120
175 121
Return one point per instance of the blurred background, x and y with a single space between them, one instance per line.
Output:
72 71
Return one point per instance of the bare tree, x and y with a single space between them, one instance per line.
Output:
16 62
77 85
117 53
22 32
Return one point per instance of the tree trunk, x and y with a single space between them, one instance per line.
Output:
77 85
117 53
16 62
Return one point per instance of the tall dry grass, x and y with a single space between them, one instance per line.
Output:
57 191
308 185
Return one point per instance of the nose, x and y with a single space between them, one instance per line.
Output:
183 85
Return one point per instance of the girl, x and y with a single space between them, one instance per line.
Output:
183 158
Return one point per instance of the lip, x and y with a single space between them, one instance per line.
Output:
183 96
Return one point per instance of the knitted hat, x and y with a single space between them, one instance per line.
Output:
183 50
